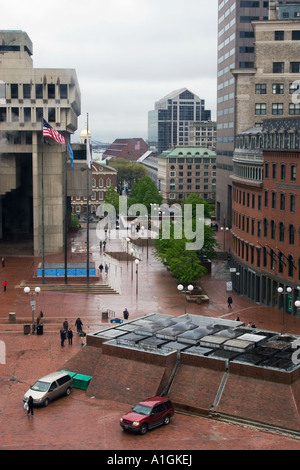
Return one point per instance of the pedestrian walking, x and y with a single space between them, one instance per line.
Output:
66 325
70 336
229 300
3 262
78 325
100 245
101 268
104 245
30 406
4 286
62 337
106 269
126 314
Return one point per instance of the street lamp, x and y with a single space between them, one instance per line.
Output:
132 252
224 230
280 290
37 290
189 289
127 241
137 273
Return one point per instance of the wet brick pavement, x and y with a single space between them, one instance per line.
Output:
86 423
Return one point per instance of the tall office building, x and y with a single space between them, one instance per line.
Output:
235 51
32 173
169 123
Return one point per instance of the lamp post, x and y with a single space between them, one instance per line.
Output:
131 252
137 275
127 241
280 290
37 290
189 289
224 230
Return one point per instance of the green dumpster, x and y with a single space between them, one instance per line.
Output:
81 381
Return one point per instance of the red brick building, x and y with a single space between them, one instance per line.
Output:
103 176
266 202
127 149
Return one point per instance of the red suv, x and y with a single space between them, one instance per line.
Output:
148 414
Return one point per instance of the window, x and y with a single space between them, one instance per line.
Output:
261 88
273 200
51 114
291 234
15 114
292 202
291 265
280 262
266 198
282 201
277 108
273 226
279 35
281 231
277 89
295 67
2 114
51 91
282 171
27 114
296 35
294 109
100 183
63 91
265 227
39 91
293 172
260 108
14 90
278 67
274 171
26 91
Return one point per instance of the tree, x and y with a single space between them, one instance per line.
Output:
145 192
185 265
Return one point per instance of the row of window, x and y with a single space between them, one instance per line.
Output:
27 114
281 198
262 228
267 257
191 187
100 183
37 91
279 67
272 168
277 88
277 109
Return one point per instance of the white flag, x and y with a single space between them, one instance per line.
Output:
88 153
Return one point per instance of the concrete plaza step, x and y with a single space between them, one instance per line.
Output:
96 289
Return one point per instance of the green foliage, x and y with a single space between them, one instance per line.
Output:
185 265
112 197
145 192
128 172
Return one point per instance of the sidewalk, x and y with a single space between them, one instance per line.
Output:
82 422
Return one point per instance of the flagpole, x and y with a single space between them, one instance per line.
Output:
66 219
43 221
87 210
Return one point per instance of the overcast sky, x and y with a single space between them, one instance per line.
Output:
128 54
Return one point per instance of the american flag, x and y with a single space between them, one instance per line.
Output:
48 131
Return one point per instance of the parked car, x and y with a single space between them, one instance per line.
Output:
49 387
148 414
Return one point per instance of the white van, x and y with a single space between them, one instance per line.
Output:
49 388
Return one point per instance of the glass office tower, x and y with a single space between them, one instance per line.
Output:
169 123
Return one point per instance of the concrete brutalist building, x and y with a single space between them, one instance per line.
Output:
27 163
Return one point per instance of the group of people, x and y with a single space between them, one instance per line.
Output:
67 333
101 267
